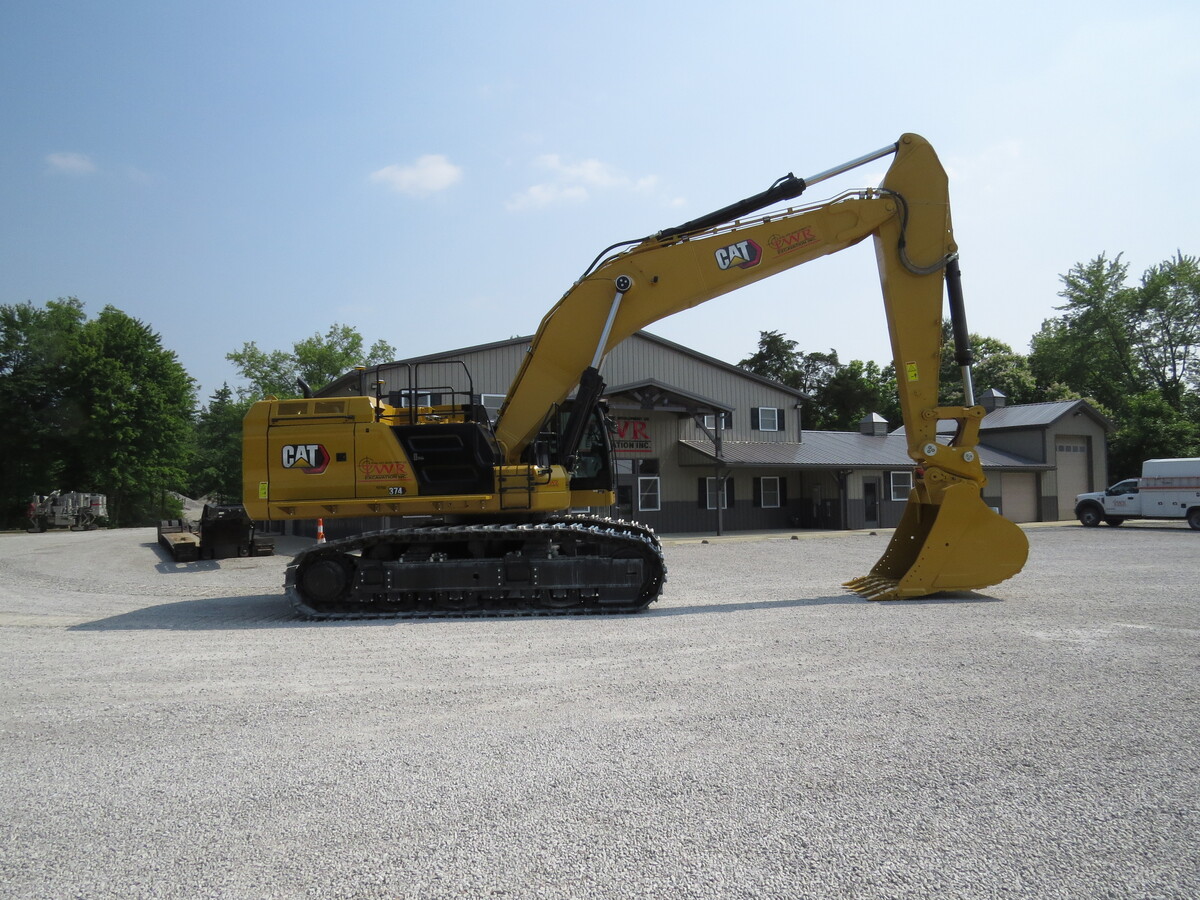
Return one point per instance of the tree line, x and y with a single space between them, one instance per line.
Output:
100 405
1131 350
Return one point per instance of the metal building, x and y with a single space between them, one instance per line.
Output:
704 446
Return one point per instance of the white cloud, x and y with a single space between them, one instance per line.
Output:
428 175
539 195
70 163
573 182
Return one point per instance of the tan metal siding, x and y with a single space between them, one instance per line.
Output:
638 358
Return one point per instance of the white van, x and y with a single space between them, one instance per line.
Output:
1168 489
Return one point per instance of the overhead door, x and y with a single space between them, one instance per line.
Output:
1071 458
1018 496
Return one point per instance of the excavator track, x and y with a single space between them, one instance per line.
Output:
568 565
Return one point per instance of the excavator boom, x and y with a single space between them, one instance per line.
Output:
948 538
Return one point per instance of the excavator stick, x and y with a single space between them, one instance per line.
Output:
955 543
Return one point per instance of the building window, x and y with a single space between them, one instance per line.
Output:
648 494
712 495
492 403
710 422
901 484
422 397
770 492
766 418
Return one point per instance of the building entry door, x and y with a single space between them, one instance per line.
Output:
871 502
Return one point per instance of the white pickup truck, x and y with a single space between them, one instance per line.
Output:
1168 489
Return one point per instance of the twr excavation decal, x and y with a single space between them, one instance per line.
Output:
370 470
786 243
311 459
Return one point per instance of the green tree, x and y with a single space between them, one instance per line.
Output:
854 391
1151 428
837 395
90 406
1091 346
1134 351
136 404
776 358
318 359
995 366
217 454
37 348
1167 326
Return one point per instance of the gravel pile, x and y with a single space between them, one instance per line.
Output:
173 731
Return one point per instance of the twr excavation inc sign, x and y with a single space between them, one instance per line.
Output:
633 436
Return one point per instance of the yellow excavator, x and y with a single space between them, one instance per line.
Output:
499 538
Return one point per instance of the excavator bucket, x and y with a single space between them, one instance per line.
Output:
958 544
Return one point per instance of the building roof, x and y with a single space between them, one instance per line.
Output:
1031 415
721 364
339 384
1040 415
836 449
652 394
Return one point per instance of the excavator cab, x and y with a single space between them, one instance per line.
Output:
589 462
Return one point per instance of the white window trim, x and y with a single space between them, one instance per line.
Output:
492 410
423 397
762 487
901 486
642 480
710 492
710 422
774 418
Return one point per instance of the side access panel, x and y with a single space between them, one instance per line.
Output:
311 462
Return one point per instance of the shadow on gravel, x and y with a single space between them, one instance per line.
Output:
840 599
747 605
205 614
168 566
939 599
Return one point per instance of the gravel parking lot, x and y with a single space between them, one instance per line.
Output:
173 731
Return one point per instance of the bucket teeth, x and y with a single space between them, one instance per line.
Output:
873 587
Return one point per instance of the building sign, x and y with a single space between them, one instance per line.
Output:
633 436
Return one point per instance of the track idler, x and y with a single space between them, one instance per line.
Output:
946 541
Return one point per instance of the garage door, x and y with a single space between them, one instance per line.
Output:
1071 457
1018 496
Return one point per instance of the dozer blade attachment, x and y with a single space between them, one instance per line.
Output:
958 544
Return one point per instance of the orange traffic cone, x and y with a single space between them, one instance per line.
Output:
320 531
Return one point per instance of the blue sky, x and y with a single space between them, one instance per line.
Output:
436 175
